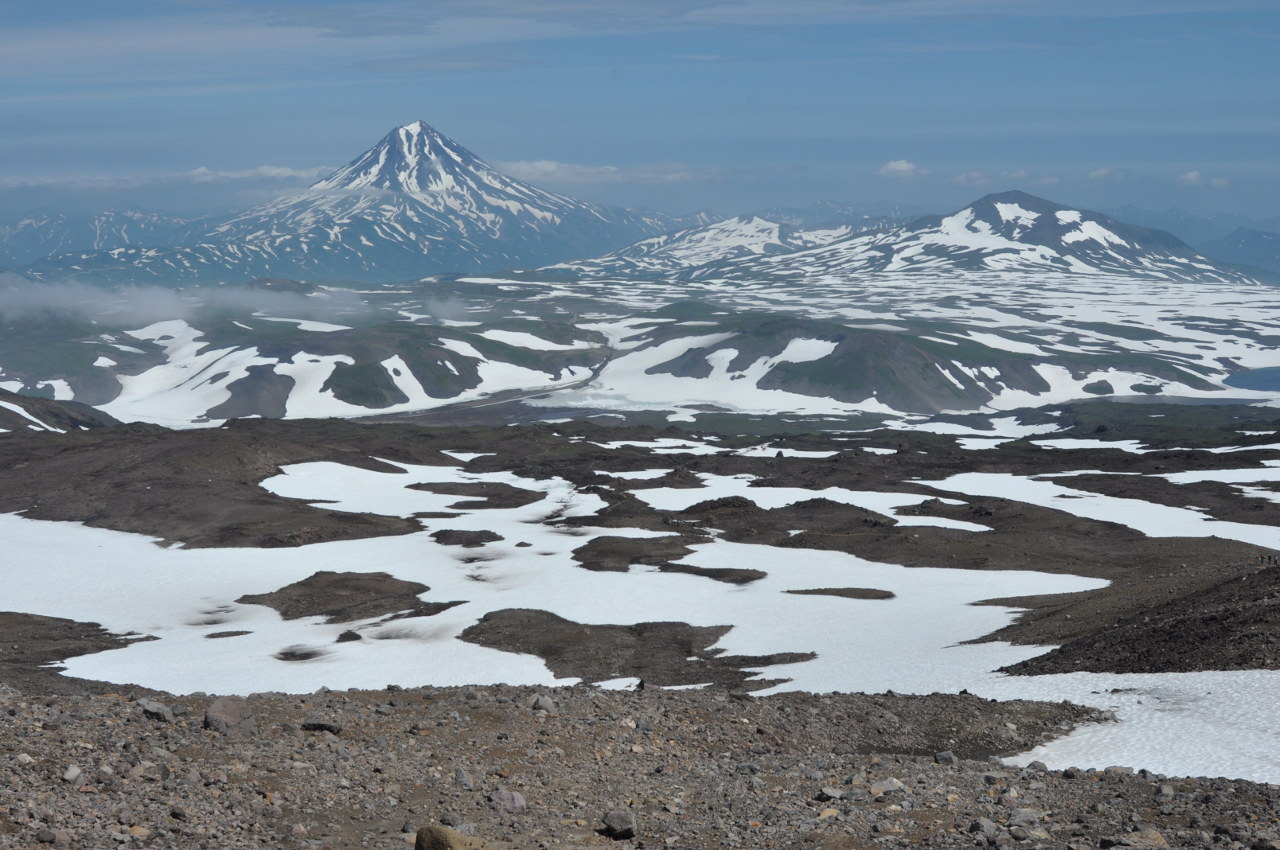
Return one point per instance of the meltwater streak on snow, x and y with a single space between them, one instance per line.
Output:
1149 519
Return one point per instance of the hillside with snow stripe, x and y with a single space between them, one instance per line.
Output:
879 346
416 203
24 413
744 236
27 238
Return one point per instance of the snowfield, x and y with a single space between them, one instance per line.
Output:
914 642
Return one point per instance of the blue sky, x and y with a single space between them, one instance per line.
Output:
195 105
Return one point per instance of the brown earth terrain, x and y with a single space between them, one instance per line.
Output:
520 768
91 764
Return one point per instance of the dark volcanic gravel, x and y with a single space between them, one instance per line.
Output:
522 768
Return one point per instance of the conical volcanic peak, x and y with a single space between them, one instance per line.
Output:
416 203
415 158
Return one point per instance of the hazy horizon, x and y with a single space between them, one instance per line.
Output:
190 106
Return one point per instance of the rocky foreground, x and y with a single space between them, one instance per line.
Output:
506 767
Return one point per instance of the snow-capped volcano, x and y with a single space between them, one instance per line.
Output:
1010 231
416 203
418 160
425 177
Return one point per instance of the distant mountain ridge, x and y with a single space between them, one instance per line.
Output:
415 204
1248 247
674 253
1005 232
30 237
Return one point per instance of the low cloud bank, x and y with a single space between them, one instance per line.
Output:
23 300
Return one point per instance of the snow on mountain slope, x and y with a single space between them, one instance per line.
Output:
203 377
27 238
744 236
19 412
884 344
1012 231
416 203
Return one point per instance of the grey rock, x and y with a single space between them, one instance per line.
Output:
619 824
826 794
542 702
322 724
230 716
986 828
463 778
1149 838
442 838
72 773
946 757
887 786
155 710
511 802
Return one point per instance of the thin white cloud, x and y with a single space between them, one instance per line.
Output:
972 178
276 175
1019 176
550 171
267 172
901 169
1196 178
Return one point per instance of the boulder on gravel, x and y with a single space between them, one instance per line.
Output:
619 824
511 802
442 838
230 716
155 710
